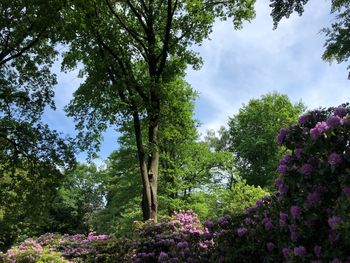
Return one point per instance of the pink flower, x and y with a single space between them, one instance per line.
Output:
295 211
313 197
306 169
334 121
334 221
299 251
270 246
241 231
334 159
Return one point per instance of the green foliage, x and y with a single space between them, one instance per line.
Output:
338 37
252 136
78 199
240 196
24 201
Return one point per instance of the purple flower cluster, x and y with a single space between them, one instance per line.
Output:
306 169
320 128
281 136
334 159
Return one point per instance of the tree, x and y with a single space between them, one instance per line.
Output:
31 154
338 37
79 198
132 51
26 85
252 136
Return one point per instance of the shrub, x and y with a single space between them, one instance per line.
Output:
69 248
307 218
180 238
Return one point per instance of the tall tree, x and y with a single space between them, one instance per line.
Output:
26 83
132 51
338 34
31 154
252 136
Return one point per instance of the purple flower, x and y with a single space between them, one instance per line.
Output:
334 159
183 244
313 197
268 225
285 252
162 256
340 111
270 246
346 190
303 119
334 221
208 224
278 181
295 211
332 235
281 136
248 221
293 232
306 169
319 129
241 231
283 218
317 251
298 152
333 122
259 203
285 159
282 169
283 188
299 251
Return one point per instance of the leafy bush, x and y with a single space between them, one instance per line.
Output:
180 238
307 219
69 248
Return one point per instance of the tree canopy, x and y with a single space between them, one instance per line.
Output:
132 51
252 136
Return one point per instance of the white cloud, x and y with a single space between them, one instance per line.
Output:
240 65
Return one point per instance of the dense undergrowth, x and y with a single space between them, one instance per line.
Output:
305 220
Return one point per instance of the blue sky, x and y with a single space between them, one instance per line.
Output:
245 64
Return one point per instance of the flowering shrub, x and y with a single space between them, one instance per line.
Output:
307 219
180 238
66 248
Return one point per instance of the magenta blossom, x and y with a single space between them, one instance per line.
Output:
317 251
340 111
334 159
334 221
285 252
333 122
241 231
298 152
306 169
282 169
313 197
319 129
270 246
293 232
299 251
303 119
283 218
281 136
295 211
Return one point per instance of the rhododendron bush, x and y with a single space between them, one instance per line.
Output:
307 219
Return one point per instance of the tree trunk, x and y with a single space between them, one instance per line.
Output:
148 166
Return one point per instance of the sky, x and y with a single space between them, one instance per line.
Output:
242 65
